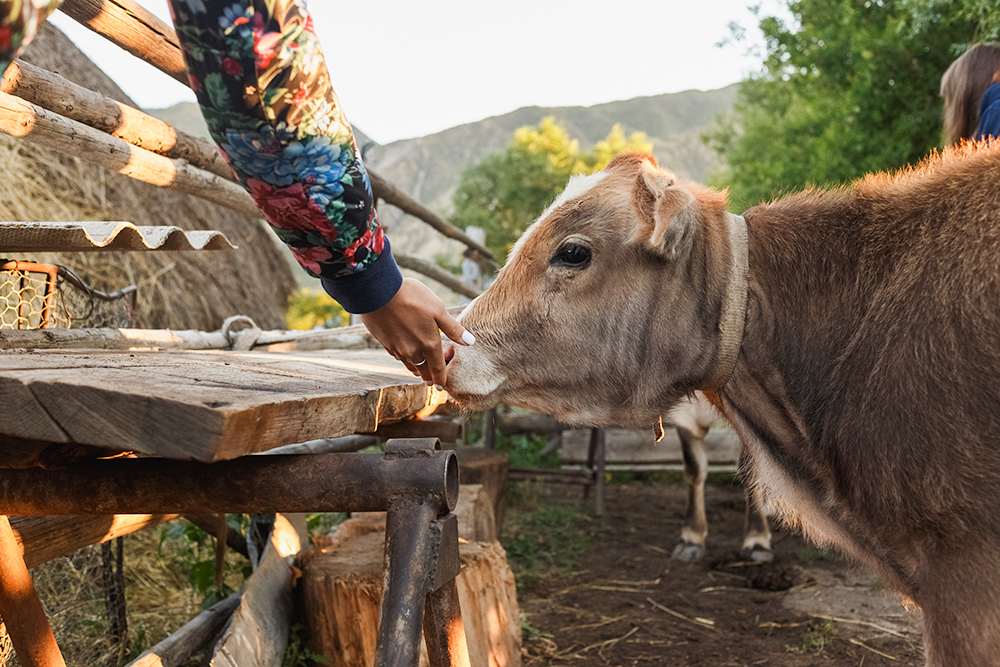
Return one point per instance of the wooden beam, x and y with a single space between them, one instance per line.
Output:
133 28
388 192
22 611
44 538
181 645
22 119
60 95
425 268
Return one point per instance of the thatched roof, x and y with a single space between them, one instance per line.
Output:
177 290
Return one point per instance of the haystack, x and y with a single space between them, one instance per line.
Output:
178 290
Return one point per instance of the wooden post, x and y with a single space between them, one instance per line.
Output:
434 272
21 609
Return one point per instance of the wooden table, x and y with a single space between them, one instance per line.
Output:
195 405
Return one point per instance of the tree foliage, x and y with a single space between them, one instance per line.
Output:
506 191
846 87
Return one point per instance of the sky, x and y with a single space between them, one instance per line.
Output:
406 69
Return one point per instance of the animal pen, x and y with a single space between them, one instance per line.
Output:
120 429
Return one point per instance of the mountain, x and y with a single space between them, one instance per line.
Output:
429 168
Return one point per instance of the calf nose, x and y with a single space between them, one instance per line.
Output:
449 354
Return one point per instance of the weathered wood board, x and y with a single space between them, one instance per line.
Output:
640 446
200 405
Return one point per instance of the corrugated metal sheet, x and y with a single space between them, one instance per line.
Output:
108 236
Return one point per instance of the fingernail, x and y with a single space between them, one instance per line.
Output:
439 387
468 338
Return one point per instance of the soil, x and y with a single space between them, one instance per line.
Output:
630 603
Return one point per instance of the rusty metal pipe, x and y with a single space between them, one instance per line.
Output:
356 482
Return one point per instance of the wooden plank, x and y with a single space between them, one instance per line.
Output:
44 538
133 28
181 645
259 632
22 119
210 406
60 95
640 446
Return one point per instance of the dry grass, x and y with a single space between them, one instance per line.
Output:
159 598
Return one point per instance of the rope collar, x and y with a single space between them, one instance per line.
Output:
734 306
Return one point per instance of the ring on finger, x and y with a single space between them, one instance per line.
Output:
420 363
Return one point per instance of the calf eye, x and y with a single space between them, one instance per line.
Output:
573 255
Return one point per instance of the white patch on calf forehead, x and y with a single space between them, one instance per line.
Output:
577 186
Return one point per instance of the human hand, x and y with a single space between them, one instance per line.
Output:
408 328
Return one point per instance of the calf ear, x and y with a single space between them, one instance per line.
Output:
668 210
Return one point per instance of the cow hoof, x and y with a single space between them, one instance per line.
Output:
757 553
688 551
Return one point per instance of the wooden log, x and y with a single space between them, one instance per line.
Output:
60 95
533 422
385 190
489 468
181 645
640 446
111 339
476 514
44 538
434 272
258 635
22 119
133 28
342 588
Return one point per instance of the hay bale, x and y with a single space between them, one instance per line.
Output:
177 290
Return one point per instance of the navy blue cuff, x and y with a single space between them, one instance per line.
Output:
370 289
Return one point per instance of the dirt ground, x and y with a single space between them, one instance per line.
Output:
629 603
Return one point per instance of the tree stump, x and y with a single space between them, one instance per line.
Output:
489 468
342 587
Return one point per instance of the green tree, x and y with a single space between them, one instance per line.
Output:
505 192
846 87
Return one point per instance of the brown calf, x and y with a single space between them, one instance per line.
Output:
851 337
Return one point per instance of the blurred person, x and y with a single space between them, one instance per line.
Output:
264 89
971 91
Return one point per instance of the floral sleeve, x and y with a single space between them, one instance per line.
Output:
19 21
263 86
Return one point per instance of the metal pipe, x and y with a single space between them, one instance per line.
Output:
359 482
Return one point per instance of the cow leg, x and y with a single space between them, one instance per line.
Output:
756 532
958 595
692 544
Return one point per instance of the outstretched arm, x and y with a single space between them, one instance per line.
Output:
264 89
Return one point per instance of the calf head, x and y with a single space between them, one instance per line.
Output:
609 307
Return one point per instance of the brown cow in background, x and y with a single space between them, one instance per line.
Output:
851 337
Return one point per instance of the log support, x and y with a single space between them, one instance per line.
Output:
413 481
